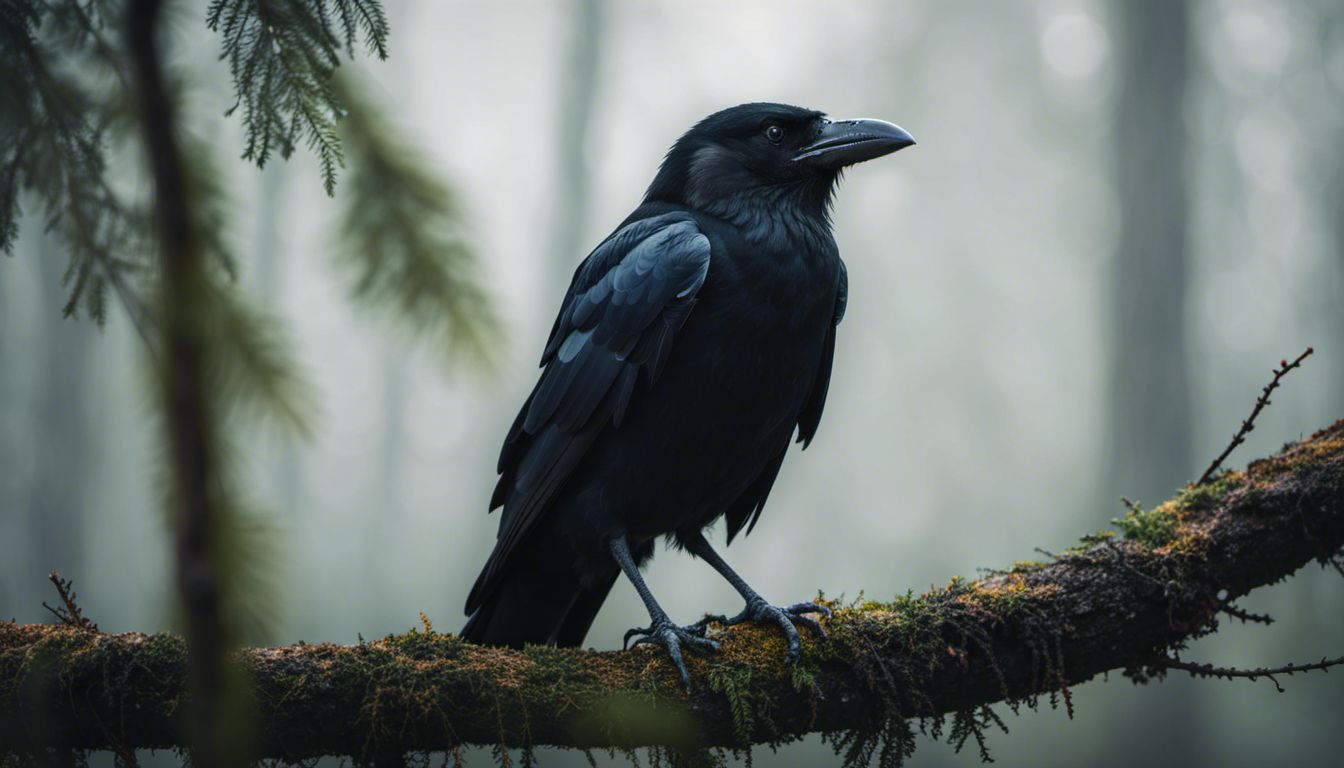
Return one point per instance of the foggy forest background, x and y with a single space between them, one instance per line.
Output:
1118 218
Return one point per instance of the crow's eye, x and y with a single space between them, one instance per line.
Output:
774 133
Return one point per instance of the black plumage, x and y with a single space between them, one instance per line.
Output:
691 345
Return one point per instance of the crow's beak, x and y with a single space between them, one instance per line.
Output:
846 142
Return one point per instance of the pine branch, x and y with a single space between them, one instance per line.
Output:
55 147
889 670
251 364
402 238
250 360
282 55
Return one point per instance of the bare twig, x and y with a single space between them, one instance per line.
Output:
1229 673
1249 423
69 614
1245 616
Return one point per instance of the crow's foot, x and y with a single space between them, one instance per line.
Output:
672 638
761 612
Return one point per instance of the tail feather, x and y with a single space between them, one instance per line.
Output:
534 606
581 614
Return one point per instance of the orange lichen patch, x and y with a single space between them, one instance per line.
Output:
610 670
504 666
881 615
1316 450
1189 541
36 633
320 655
1004 592
763 647
1325 445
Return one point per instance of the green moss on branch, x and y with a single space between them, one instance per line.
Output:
1012 637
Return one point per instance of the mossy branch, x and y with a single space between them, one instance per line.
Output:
1014 637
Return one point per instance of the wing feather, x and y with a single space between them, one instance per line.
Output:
626 303
810 417
746 510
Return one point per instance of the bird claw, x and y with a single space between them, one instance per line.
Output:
760 612
671 638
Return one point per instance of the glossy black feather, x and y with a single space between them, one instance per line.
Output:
810 418
691 346
649 269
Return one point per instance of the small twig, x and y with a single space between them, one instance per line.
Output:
125 756
1228 673
70 614
1231 609
1249 423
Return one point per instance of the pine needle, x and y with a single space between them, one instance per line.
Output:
402 242
282 55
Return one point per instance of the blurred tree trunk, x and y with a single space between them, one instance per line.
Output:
392 444
190 432
1332 39
396 391
20 305
1150 424
1150 392
386 521
578 94
1319 623
61 436
286 480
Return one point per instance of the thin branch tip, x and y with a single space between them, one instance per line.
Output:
68 613
1248 424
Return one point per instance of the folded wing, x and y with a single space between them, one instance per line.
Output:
746 510
624 307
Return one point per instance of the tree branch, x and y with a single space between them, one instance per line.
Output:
1012 637
1195 669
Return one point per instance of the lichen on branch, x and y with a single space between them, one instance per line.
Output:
931 662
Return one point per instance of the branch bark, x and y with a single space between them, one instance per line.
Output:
1013 636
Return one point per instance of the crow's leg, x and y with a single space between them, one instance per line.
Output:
661 630
757 609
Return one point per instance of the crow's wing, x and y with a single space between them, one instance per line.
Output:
626 303
746 510
810 417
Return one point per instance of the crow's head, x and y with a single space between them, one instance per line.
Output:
758 151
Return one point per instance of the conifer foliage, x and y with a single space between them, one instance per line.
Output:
55 122
66 135
282 54
401 240
70 151
81 146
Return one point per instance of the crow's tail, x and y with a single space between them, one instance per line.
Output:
538 606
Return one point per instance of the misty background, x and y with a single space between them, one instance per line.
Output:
1118 218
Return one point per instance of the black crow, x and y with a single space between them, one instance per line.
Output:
690 345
